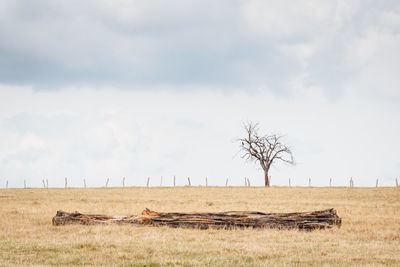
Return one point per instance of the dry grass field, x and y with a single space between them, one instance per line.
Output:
370 234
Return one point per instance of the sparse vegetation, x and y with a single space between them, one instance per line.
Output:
370 232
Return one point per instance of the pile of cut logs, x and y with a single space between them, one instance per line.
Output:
221 220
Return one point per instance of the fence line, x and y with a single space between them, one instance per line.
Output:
45 182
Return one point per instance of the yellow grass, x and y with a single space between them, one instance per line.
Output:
370 234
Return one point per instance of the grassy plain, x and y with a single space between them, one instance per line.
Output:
370 234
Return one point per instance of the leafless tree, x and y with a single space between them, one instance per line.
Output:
264 149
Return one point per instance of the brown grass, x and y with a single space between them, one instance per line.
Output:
370 234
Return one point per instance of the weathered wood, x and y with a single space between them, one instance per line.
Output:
221 220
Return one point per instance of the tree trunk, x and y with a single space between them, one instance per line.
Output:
266 177
221 220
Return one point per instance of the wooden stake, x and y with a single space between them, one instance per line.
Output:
190 184
174 181
148 181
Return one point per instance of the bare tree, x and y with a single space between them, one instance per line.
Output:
264 149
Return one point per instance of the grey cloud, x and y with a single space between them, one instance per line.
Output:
50 44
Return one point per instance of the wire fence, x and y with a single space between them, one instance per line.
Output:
152 183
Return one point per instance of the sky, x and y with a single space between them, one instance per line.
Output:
110 89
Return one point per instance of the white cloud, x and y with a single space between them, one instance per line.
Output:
113 133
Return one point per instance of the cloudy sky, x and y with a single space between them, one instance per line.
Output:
97 89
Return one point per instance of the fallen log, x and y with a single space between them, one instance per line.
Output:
221 220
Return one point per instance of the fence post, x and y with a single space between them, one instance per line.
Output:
190 184
148 181
376 185
84 182
66 182
174 181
